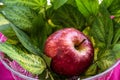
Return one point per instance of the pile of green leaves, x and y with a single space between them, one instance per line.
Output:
30 22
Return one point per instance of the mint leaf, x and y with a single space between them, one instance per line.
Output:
108 25
42 29
116 36
58 3
88 7
72 2
107 3
25 40
102 28
105 64
37 5
68 16
6 29
33 63
92 70
106 60
116 50
114 9
98 30
17 15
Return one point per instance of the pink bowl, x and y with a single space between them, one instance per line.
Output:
109 74
16 75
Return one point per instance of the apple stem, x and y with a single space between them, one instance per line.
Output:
82 41
77 46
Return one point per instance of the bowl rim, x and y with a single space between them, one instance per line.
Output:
15 72
29 78
103 73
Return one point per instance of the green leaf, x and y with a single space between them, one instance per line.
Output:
9 33
6 29
58 3
68 16
102 28
114 9
107 3
98 30
116 36
88 7
30 62
46 75
25 40
106 60
41 29
37 5
105 64
106 53
17 15
108 25
92 70
72 2
116 50
114 5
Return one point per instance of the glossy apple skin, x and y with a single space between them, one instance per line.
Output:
71 51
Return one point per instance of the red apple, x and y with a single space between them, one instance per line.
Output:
71 51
